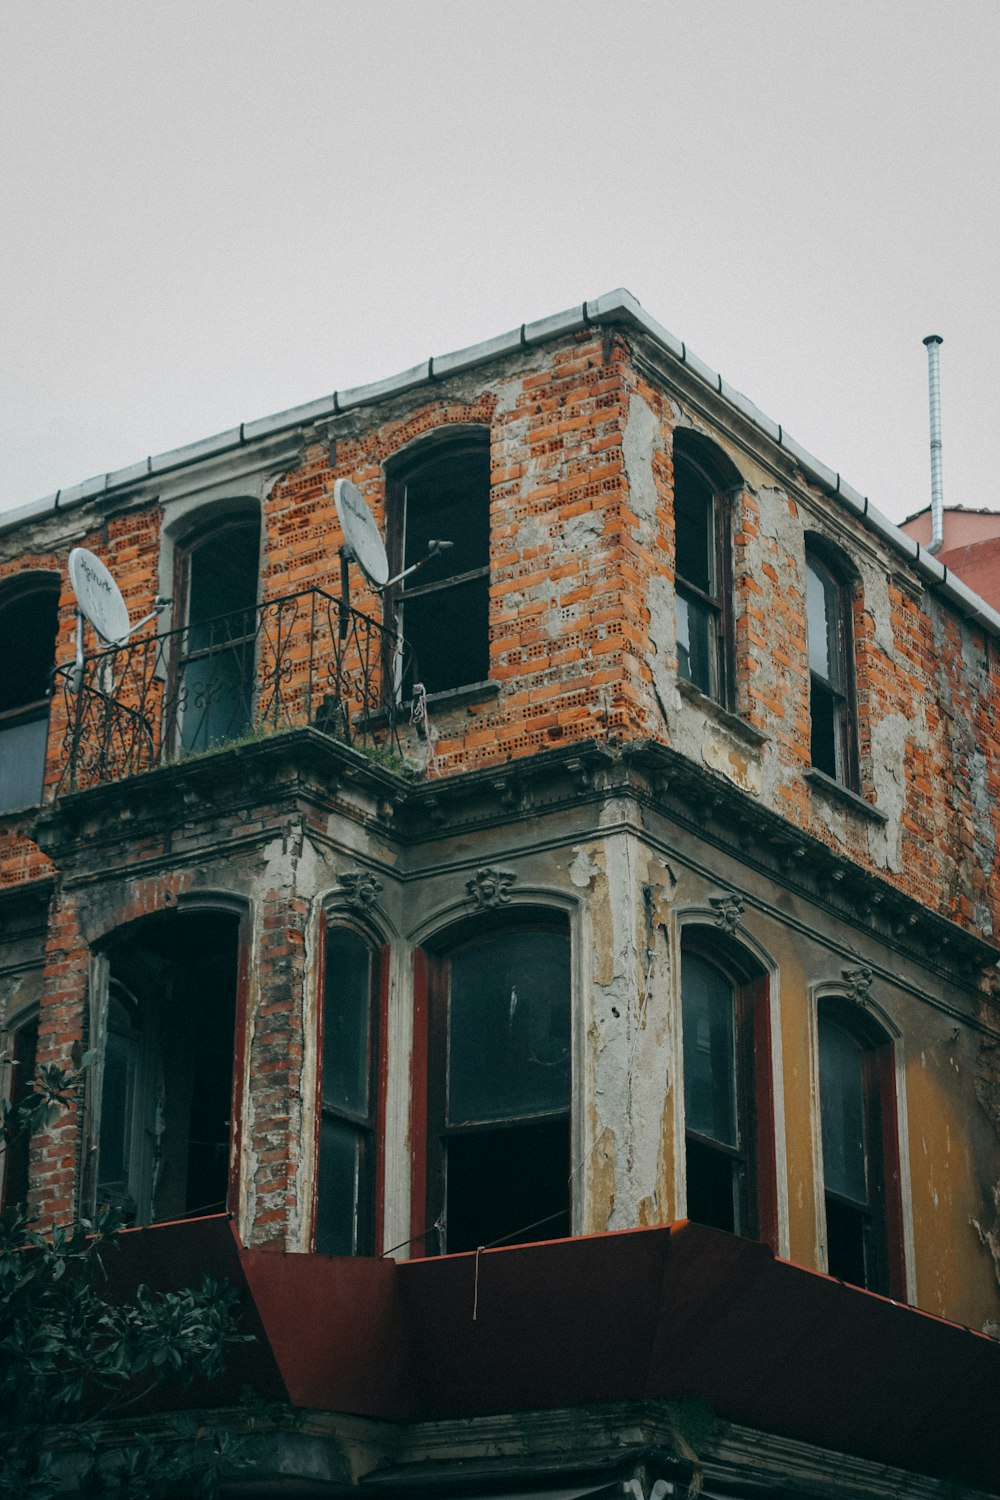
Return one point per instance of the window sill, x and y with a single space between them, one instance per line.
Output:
722 716
840 793
472 692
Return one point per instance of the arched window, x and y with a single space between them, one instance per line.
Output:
29 615
21 1053
705 654
833 733
348 1096
728 1107
165 1081
442 493
861 1191
498 1086
217 584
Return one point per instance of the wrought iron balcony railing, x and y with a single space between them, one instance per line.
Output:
302 659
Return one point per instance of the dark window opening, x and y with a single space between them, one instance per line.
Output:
852 1072
345 1190
702 572
22 1052
832 739
499 1090
29 620
218 587
442 611
508 1186
166 1088
729 1149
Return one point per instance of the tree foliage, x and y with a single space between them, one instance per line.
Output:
72 1359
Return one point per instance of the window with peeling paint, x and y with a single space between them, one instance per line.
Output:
442 494
499 1088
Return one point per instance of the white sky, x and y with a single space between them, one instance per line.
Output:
211 211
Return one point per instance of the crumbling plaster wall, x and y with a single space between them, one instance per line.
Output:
926 685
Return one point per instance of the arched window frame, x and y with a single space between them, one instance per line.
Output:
831 586
429 1127
758 1161
154 1076
213 650
889 1251
447 586
20 1052
367 1212
29 605
705 483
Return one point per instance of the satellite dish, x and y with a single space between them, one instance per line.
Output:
360 532
98 597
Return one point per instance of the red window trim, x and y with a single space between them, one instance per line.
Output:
380 954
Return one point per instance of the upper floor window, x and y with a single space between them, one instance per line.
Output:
860 1150
29 615
703 572
217 591
348 1096
498 1090
833 736
442 611
728 1114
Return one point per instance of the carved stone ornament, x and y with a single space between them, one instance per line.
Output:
489 888
728 910
858 981
361 889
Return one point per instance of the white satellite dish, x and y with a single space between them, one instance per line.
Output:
98 597
361 534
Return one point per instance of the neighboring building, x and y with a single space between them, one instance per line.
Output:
970 546
678 902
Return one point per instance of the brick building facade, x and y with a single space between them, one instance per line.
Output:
671 910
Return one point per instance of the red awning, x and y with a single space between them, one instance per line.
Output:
669 1312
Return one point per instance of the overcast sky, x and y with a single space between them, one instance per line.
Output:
213 210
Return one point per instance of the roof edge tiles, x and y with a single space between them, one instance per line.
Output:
618 306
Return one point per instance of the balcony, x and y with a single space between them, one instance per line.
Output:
303 659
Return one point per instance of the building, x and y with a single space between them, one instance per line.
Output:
970 546
572 969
